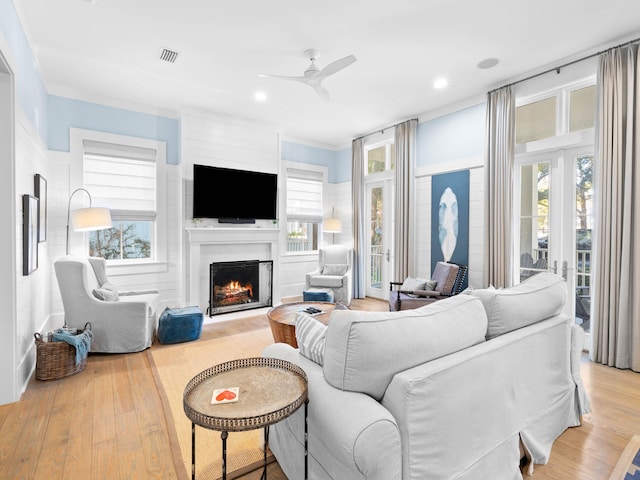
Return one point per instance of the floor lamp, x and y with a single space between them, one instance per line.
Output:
332 225
87 219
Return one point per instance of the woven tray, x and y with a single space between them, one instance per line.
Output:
56 360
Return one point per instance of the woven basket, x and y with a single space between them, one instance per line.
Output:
56 360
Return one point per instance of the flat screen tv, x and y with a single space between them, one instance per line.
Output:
234 196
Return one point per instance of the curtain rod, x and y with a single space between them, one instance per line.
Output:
383 129
560 67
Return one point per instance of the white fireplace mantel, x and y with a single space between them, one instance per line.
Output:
263 241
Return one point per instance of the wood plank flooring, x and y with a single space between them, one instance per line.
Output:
107 422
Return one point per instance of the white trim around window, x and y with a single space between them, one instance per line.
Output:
77 138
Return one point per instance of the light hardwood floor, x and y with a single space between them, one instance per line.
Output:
107 422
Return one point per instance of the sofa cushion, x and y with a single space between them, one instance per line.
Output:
334 281
335 269
364 350
537 298
310 336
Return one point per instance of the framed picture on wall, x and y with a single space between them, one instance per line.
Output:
29 234
40 189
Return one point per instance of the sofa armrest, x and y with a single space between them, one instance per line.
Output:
423 293
309 275
350 434
583 405
138 292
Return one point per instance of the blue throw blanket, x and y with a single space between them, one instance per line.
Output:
81 341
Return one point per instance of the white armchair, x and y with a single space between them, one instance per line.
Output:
335 271
120 321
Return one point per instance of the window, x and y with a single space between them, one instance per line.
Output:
582 108
122 178
381 158
568 109
536 120
304 210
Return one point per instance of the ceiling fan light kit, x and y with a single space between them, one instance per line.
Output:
313 76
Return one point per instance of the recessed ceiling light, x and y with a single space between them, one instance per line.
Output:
440 83
487 63
260 96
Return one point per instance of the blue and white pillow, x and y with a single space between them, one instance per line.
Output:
310 335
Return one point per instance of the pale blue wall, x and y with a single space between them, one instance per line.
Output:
455 136
52 116
30 91
338 162
342 171
65 113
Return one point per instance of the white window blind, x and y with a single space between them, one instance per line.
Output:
304 195
121 178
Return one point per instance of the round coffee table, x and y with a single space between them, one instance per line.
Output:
269 390
282 318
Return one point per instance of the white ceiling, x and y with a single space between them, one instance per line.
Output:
107 51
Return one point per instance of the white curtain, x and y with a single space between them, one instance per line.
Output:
616 286
499 158
405 147
357 197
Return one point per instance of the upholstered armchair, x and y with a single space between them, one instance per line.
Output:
446 281
335 271
120 321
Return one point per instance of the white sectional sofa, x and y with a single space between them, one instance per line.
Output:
454 390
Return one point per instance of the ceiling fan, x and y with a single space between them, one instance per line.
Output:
313 76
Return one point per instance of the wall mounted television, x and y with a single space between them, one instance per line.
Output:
234 196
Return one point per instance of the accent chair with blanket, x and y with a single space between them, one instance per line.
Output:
120 321
453 390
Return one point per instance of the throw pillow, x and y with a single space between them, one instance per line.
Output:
536 298
310 335
107 293
334 269
411 283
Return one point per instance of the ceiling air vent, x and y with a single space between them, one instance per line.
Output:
168 55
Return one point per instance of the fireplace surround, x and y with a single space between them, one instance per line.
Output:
206 245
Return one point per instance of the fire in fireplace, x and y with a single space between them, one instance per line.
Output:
240 285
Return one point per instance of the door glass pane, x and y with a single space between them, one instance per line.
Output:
535 121
376 160
584 225
582 108
375 276
534 218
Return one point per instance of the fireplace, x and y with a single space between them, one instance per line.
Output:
240 285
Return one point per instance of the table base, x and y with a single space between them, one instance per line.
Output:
224 435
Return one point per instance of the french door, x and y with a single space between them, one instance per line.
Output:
379 215
555 205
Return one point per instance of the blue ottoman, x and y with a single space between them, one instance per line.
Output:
178 325
318 295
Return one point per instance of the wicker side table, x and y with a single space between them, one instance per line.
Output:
270 390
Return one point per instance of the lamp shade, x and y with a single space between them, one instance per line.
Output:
92 218
332 225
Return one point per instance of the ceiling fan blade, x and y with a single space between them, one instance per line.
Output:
283 77
322 93
336 66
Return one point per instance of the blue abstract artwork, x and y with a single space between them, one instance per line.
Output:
450 218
